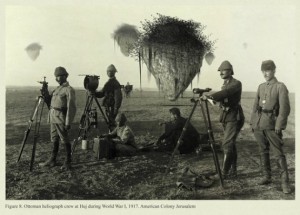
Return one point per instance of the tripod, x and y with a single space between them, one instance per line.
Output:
35 115
207 122
85 123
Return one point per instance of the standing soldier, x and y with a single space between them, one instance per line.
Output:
269 117
112 95
61 114
231 117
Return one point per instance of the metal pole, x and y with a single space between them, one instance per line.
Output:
140 67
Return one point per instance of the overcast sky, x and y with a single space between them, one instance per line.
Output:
79 38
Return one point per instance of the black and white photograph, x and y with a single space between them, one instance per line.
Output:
149 106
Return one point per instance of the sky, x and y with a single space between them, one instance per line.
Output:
78 37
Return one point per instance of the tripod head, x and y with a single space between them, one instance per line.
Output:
91 82
201 91
44 89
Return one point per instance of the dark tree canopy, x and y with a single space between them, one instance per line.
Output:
176 32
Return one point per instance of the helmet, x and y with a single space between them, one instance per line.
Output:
112 68
60 71
226 65
268 65
121 118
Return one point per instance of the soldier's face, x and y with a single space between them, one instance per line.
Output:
61 79
110 73
173 116
225 74
268 74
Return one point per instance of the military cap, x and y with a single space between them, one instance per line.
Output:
225 65
111 67
121 118
175 111
59 71
268 65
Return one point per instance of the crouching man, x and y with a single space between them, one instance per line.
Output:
173 129
269 117
121 139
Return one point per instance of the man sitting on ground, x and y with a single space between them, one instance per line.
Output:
173 129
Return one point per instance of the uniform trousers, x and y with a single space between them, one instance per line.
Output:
231 131
58 131
268 139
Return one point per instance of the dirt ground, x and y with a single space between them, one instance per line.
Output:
141 176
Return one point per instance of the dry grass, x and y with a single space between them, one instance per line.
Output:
138 177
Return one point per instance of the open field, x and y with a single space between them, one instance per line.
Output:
138 177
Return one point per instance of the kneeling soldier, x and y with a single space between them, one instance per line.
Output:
269 117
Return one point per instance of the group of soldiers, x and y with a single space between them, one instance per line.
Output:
269 117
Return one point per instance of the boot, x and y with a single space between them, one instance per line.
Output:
226 165
233 168
266 169
67 163
51 162
227 160
284 175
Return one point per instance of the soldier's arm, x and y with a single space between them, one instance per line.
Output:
47 98
284 108
255 105
256 101
118 98
101 93
71 105
230 89
170 128
125 136
113 133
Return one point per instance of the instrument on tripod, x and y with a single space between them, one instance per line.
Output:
89 116
207 122
36 116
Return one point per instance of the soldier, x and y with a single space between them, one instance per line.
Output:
127 89
231 117
269 117
112 95
121 139
61 114
173 129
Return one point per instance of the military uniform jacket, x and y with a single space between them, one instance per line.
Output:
174 129
63 107
125 134
271 106
230 97
112 93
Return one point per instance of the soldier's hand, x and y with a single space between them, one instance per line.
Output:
278 131
161 123
203 97
67 127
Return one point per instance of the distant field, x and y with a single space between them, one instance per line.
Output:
107 180
141 106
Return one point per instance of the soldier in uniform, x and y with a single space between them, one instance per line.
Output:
231 116
121 139
112 95
269 117
173 129
61 114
